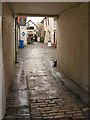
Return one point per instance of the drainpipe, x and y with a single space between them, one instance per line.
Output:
16 40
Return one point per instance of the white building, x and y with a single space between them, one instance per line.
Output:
49 30
31 27
23 34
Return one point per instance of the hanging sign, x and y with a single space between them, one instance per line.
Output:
23 33
22 20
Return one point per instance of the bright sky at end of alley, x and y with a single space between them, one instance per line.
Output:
35 19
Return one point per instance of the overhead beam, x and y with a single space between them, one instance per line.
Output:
36 15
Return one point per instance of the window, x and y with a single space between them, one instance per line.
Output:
48 21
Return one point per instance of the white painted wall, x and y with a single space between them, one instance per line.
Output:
23 29
46 28
49 28
2 84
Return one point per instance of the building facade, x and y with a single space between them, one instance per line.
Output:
49 30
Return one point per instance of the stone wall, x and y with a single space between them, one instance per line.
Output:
72 50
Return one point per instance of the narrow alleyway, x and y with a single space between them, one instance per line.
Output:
35 93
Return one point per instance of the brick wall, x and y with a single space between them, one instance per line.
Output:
72 50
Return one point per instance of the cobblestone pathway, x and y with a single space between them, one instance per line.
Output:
35 93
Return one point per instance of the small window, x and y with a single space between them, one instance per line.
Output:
48 21
44 33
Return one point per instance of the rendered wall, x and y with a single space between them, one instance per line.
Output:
49 27
2 90
8 44
72 47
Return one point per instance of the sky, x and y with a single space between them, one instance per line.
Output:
35 19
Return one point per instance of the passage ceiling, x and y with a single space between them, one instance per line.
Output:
40 8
